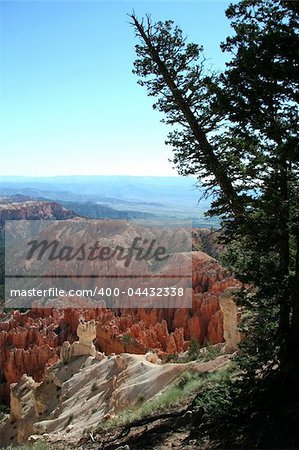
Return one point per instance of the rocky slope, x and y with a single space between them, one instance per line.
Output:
81 391
31 341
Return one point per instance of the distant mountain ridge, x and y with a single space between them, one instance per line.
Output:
19 206
16 198
118 197
33 210
97 211
132 188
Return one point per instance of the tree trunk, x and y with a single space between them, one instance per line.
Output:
284 250
293 337
215 166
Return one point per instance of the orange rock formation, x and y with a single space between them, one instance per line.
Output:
31 340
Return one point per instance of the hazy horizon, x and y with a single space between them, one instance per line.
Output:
149 196
93 175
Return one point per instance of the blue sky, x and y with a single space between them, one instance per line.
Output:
69 101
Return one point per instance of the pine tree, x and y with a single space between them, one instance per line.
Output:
237 131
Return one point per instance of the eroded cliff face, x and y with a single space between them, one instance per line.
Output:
33 210
85 391
88 387
31 341
28 343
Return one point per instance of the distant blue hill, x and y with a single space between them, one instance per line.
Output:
168 197
128 188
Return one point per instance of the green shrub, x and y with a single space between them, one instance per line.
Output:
196 352
4 409
94 387
211 352
69 420
175 395
128 339
193 350
141 398
36 446
172 358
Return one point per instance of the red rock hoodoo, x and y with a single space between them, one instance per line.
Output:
31 340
